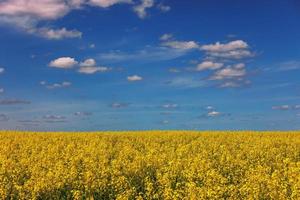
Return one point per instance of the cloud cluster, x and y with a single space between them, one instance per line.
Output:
88 66
28 14
221 58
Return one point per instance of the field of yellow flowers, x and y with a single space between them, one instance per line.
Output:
150 165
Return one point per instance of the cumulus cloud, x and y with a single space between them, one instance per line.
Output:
89 67
209 65
141 8
230 46
13 102
63 63
231 72
237 49
2 70
134 78
90 62
1 90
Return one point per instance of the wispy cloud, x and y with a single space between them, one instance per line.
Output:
290 65
13 102
63 84
3 118
146 55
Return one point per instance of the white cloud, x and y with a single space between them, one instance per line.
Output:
134 78
119 105
281 107
82 114
43 82
149 54
63 63
174 70
230 72
183 45
166 36
92 46
88 63
186 82
42 9
108 3
209 65
2 70
27 14
230 46
141 8
1 90
57 34
213 114
163 8
170 105
54 118
209 107
286 107
92 70
236 54
290 65
237 49
229 84
89 67
63 84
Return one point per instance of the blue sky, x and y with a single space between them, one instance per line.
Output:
149 64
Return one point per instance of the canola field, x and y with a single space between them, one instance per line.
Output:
150 165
